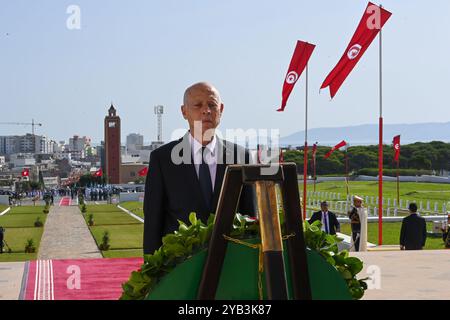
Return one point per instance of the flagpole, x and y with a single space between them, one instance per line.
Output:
380 146
398 182
346 172
305 152
314 167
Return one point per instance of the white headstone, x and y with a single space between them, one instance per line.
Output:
388 211
395 212
428 206
436 207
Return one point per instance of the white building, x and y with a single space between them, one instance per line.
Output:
22 160
139 156
26 144
78 145
135 141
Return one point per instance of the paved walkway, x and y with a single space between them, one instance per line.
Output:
66 236
407 275
11 276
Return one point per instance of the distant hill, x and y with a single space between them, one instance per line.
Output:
367 134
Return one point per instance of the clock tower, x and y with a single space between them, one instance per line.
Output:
112 146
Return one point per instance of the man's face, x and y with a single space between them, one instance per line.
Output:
357 203
202 109
324 207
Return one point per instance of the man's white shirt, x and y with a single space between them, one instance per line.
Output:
323 221
210 156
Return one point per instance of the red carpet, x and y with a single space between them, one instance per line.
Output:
88 279
65 201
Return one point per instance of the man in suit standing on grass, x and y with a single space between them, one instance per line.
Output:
330 223
413 234
186 176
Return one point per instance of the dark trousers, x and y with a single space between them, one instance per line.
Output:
356 235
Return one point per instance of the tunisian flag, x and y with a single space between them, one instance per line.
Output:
25 172
299 60
370 25
314 152
396 143
98 173
143 172
339 145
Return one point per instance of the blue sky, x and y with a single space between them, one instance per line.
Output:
138 54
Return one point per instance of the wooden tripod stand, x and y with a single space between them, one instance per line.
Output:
271 240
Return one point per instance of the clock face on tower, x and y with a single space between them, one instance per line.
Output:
111 124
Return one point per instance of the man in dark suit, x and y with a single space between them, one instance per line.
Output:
413 234
186 176
330 223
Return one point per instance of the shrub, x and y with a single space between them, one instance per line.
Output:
83 208
104 246
38 223
81 200
46 209
29 246
90 219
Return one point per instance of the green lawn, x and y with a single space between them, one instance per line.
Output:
19 226
16 239
125 232
92 208
391 234
134 206
121 236
131 253
113 218
26 210
3 207
20 220
434 192
17 257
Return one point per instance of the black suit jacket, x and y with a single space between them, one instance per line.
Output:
172 188
332 221
413 234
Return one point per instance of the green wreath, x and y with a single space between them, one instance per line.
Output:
190 239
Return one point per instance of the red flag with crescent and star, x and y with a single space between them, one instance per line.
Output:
26 172
336 147
98 173
370 25
302 53
396 143
143 172
314 151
